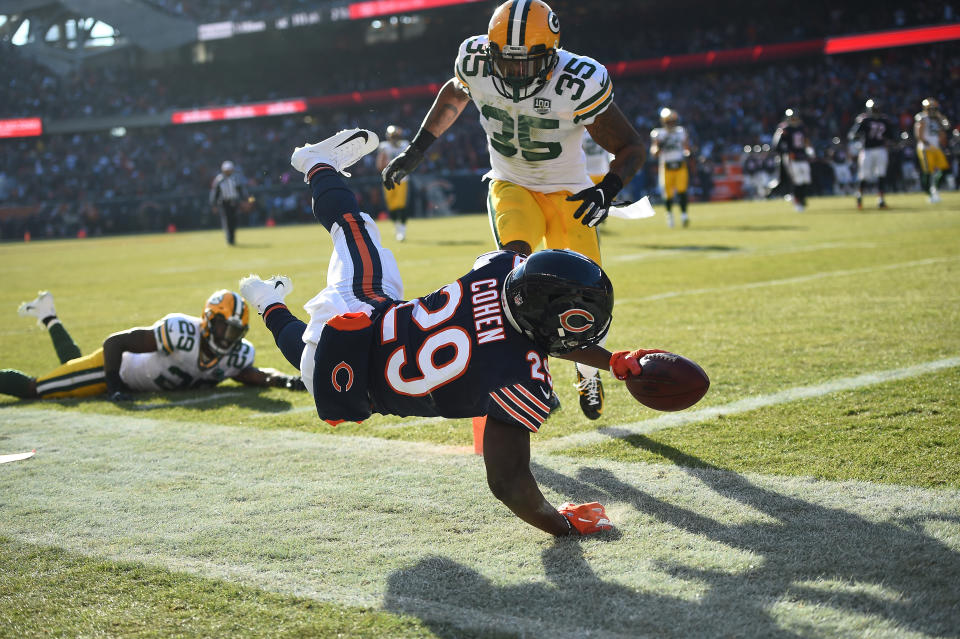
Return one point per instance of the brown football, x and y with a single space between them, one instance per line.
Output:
669 382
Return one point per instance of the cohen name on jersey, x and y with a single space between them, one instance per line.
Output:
453 353
536 142
175 365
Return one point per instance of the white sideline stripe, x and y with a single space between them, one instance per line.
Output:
673 420
789 280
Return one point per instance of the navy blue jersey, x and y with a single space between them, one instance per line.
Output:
453 353
791 138
873 129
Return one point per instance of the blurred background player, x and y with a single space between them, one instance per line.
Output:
874 131
670 144
838 154
535 100
227 193
597 158
176 353
930 130
790 141
397 198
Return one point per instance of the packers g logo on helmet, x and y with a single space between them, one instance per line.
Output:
523 39
226 319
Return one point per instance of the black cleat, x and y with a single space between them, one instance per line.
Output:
591 395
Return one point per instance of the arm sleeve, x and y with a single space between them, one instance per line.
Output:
526 404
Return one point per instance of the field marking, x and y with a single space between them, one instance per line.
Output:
673 420
187 402
397 526
788 280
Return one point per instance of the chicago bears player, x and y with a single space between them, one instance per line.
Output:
790 141
477 346
670 144
874 131
535 100
178 352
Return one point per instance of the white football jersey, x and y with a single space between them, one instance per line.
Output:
932 129
175 365
393 149
536 142
597 157
671 143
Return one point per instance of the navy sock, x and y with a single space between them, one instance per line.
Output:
287 332
331 195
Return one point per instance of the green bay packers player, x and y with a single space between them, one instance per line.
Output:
930 130
535 100
178 352
670 144
397 199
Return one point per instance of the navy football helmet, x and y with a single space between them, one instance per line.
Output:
560 299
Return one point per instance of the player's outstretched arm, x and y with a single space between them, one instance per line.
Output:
447 107
506 454
135 340
613 132
253 376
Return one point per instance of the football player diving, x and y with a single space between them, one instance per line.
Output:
477 346
534 101
178 352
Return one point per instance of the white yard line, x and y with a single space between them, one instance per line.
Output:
187 402
672 420
409 528
801 279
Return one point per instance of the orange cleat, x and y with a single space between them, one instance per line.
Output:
586 518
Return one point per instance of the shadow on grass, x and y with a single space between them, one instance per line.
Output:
797 545
251 398
693 248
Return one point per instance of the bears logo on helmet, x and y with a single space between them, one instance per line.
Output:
225 320
559 299
523 39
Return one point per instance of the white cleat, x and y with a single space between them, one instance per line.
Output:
40 308
339 151
263 293
934 197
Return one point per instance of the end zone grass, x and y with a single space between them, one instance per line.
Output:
236 512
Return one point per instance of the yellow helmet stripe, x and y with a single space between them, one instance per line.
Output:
517 23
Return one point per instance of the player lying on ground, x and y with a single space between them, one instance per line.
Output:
178 352
477 346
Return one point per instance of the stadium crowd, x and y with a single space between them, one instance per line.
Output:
149 178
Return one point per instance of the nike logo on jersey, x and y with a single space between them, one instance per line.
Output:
358 134
546 393
277 284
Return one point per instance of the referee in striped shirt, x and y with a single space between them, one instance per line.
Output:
226 194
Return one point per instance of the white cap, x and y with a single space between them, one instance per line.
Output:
226 166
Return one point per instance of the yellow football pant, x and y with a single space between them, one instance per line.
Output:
674 180
80 377
396 198
517 213
932 159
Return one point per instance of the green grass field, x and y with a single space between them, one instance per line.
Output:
814 491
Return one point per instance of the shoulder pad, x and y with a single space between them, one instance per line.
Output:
597 93
176 331
471 61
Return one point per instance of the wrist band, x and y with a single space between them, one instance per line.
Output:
422 140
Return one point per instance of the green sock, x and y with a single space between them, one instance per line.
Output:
13 382
65 346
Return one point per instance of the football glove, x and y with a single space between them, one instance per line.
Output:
405 163
400 167
586 518
624 364
120 396
596 200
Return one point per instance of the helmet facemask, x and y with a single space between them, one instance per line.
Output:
518 73
223 325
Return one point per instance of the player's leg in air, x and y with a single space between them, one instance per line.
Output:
362 275
77 376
